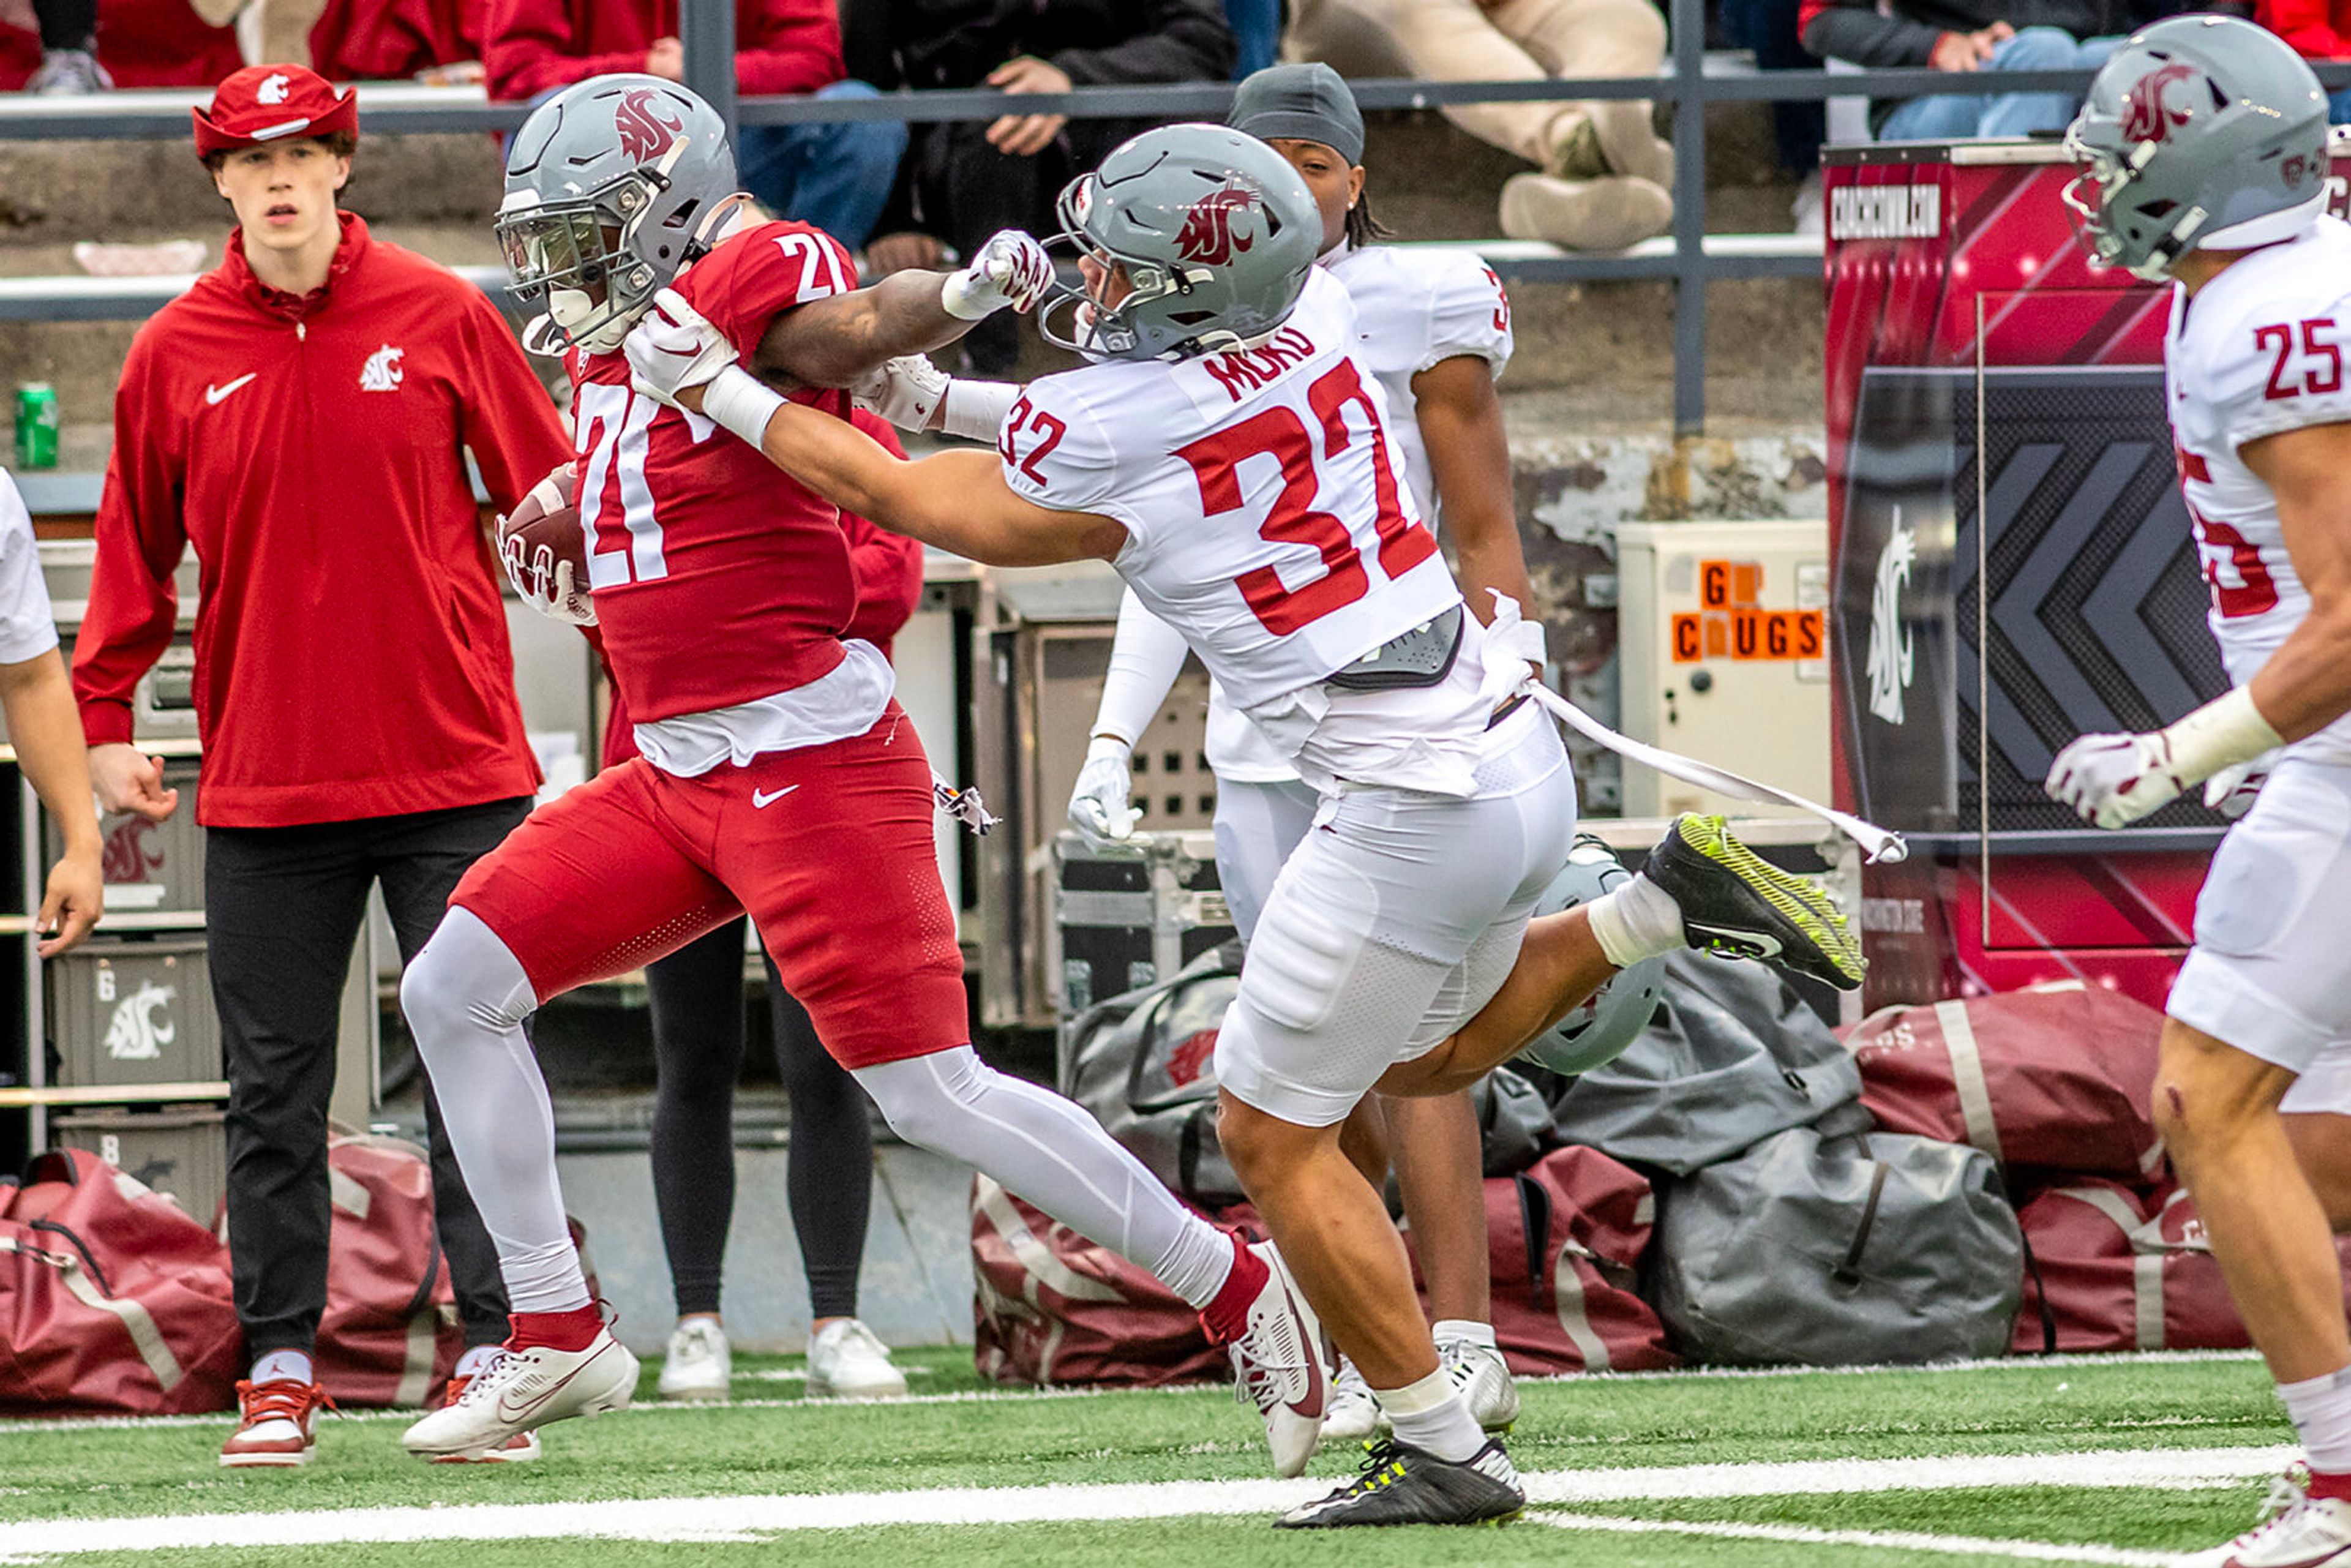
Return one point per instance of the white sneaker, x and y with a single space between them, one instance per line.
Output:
526 1389
1484 1379
700 1363
1277 1365
1353 1415
2297 1531
845 1360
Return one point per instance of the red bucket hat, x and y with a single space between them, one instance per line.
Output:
269 103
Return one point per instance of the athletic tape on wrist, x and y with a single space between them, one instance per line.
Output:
2222 733
974 409
738 404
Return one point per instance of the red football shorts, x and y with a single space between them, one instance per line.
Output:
828 849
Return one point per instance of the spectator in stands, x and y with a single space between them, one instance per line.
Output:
1256 35
387 40
68 49
834 175
37 700
300 419
1606 177
2319 30
964 182
1768 27
696 1000
1969 35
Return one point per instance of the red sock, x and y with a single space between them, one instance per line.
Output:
1227 1317
2336 1485
574 1329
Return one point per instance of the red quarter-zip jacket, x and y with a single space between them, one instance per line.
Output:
350 641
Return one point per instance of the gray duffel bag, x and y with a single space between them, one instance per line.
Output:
1734 1056
1838 1250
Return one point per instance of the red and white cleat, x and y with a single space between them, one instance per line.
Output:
520 1449
2297 1531
1277 1365
524 1390
274 1425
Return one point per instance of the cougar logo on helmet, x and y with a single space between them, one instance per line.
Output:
645 132
2150 115
1208 236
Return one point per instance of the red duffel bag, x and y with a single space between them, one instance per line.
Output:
2054 1076
390 1334
1051 1307
1565 1237
111 1298
2114 1269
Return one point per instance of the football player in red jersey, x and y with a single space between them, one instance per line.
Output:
776 776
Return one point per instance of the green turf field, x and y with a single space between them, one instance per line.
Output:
2125 1462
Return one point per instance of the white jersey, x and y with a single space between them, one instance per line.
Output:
1265 523
2261 350
1414 310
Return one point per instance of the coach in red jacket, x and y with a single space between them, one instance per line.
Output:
301 418
835 176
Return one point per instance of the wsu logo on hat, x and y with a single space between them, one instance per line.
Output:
645 134
272 88
1210 236
2151 116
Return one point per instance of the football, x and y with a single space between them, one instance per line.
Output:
540 535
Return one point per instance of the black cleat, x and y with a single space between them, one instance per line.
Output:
1404 1485
1736 905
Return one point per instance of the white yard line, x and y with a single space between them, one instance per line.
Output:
714 1519
1884 1540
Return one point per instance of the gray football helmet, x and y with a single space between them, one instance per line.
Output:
2195 126
1216 233
1597 1031
614 182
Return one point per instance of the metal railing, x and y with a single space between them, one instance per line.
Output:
1689 83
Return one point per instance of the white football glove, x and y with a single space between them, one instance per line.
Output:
2232 790
905 391
2112 781
673 348
1101 807
543 582
1011 269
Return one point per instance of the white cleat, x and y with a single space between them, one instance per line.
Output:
700 1364
1277 1365
2297 1531
1353 1415
845 1360
526 1389
1484 1379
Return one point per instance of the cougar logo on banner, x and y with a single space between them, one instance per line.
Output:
135 1035
2151 116
645 132
1890 652
126 856
1208 236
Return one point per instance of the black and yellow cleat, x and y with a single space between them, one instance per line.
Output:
1736 905
1400 1484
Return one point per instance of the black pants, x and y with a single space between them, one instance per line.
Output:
697 1016
282 908
965 190
66 24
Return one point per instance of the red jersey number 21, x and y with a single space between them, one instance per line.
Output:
1280 433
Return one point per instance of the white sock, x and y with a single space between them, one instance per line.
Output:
1431 1416
2320 1409
1639 920
281 1366
477 1359
1463 1331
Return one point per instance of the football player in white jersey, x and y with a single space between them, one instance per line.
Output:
2203 142
1228 452
1436 330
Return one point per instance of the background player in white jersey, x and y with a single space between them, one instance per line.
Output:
1228 453
2204 146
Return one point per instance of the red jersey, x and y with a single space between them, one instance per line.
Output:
888 569
351 639
531 47
717 579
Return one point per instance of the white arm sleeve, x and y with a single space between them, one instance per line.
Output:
974 409
1144 660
